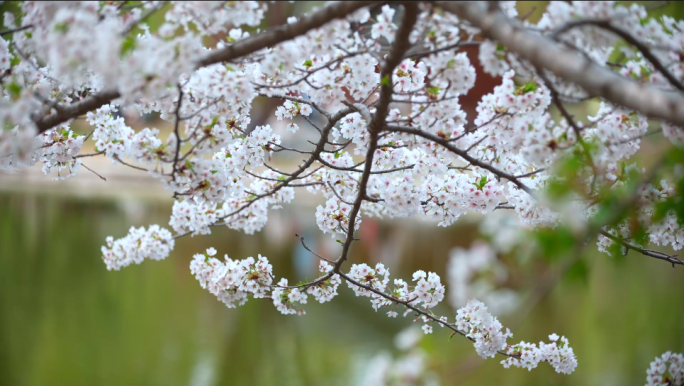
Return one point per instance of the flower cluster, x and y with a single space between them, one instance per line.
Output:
154 243
291 109
660 373
427 292
232 281
334 217
483 328
194 218
325 290
488 338
58 150
528 355
285 298
322 289
372 280
111 134
450 197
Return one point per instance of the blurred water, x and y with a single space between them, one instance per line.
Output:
65 320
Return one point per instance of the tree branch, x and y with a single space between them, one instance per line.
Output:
605 24
568 64
463 154
284 32
399 47
647 252
241 48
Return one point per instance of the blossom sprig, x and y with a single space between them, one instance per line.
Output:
666 370
58 151
232 281
291 109
153 243
323 289
472 321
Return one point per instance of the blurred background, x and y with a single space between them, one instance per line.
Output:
66 320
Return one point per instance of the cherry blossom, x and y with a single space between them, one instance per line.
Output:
668 369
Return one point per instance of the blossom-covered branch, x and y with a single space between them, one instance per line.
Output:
382 90
569 65
245 47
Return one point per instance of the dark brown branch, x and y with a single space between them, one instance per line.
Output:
241 48
129 165
377 124
407 304
11 31
309 249
419 55
283 32
93 171
672 259
176 133
76 109
334 118
530 174
463 154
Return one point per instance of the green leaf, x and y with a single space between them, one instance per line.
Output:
308 63
385 81
128 45
337 155
229 68
578 272
529 87
481 183
615 250
500 48
62 27
433 90
14 61
230 39
339 241
640 235
213 122
555 242
14 89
